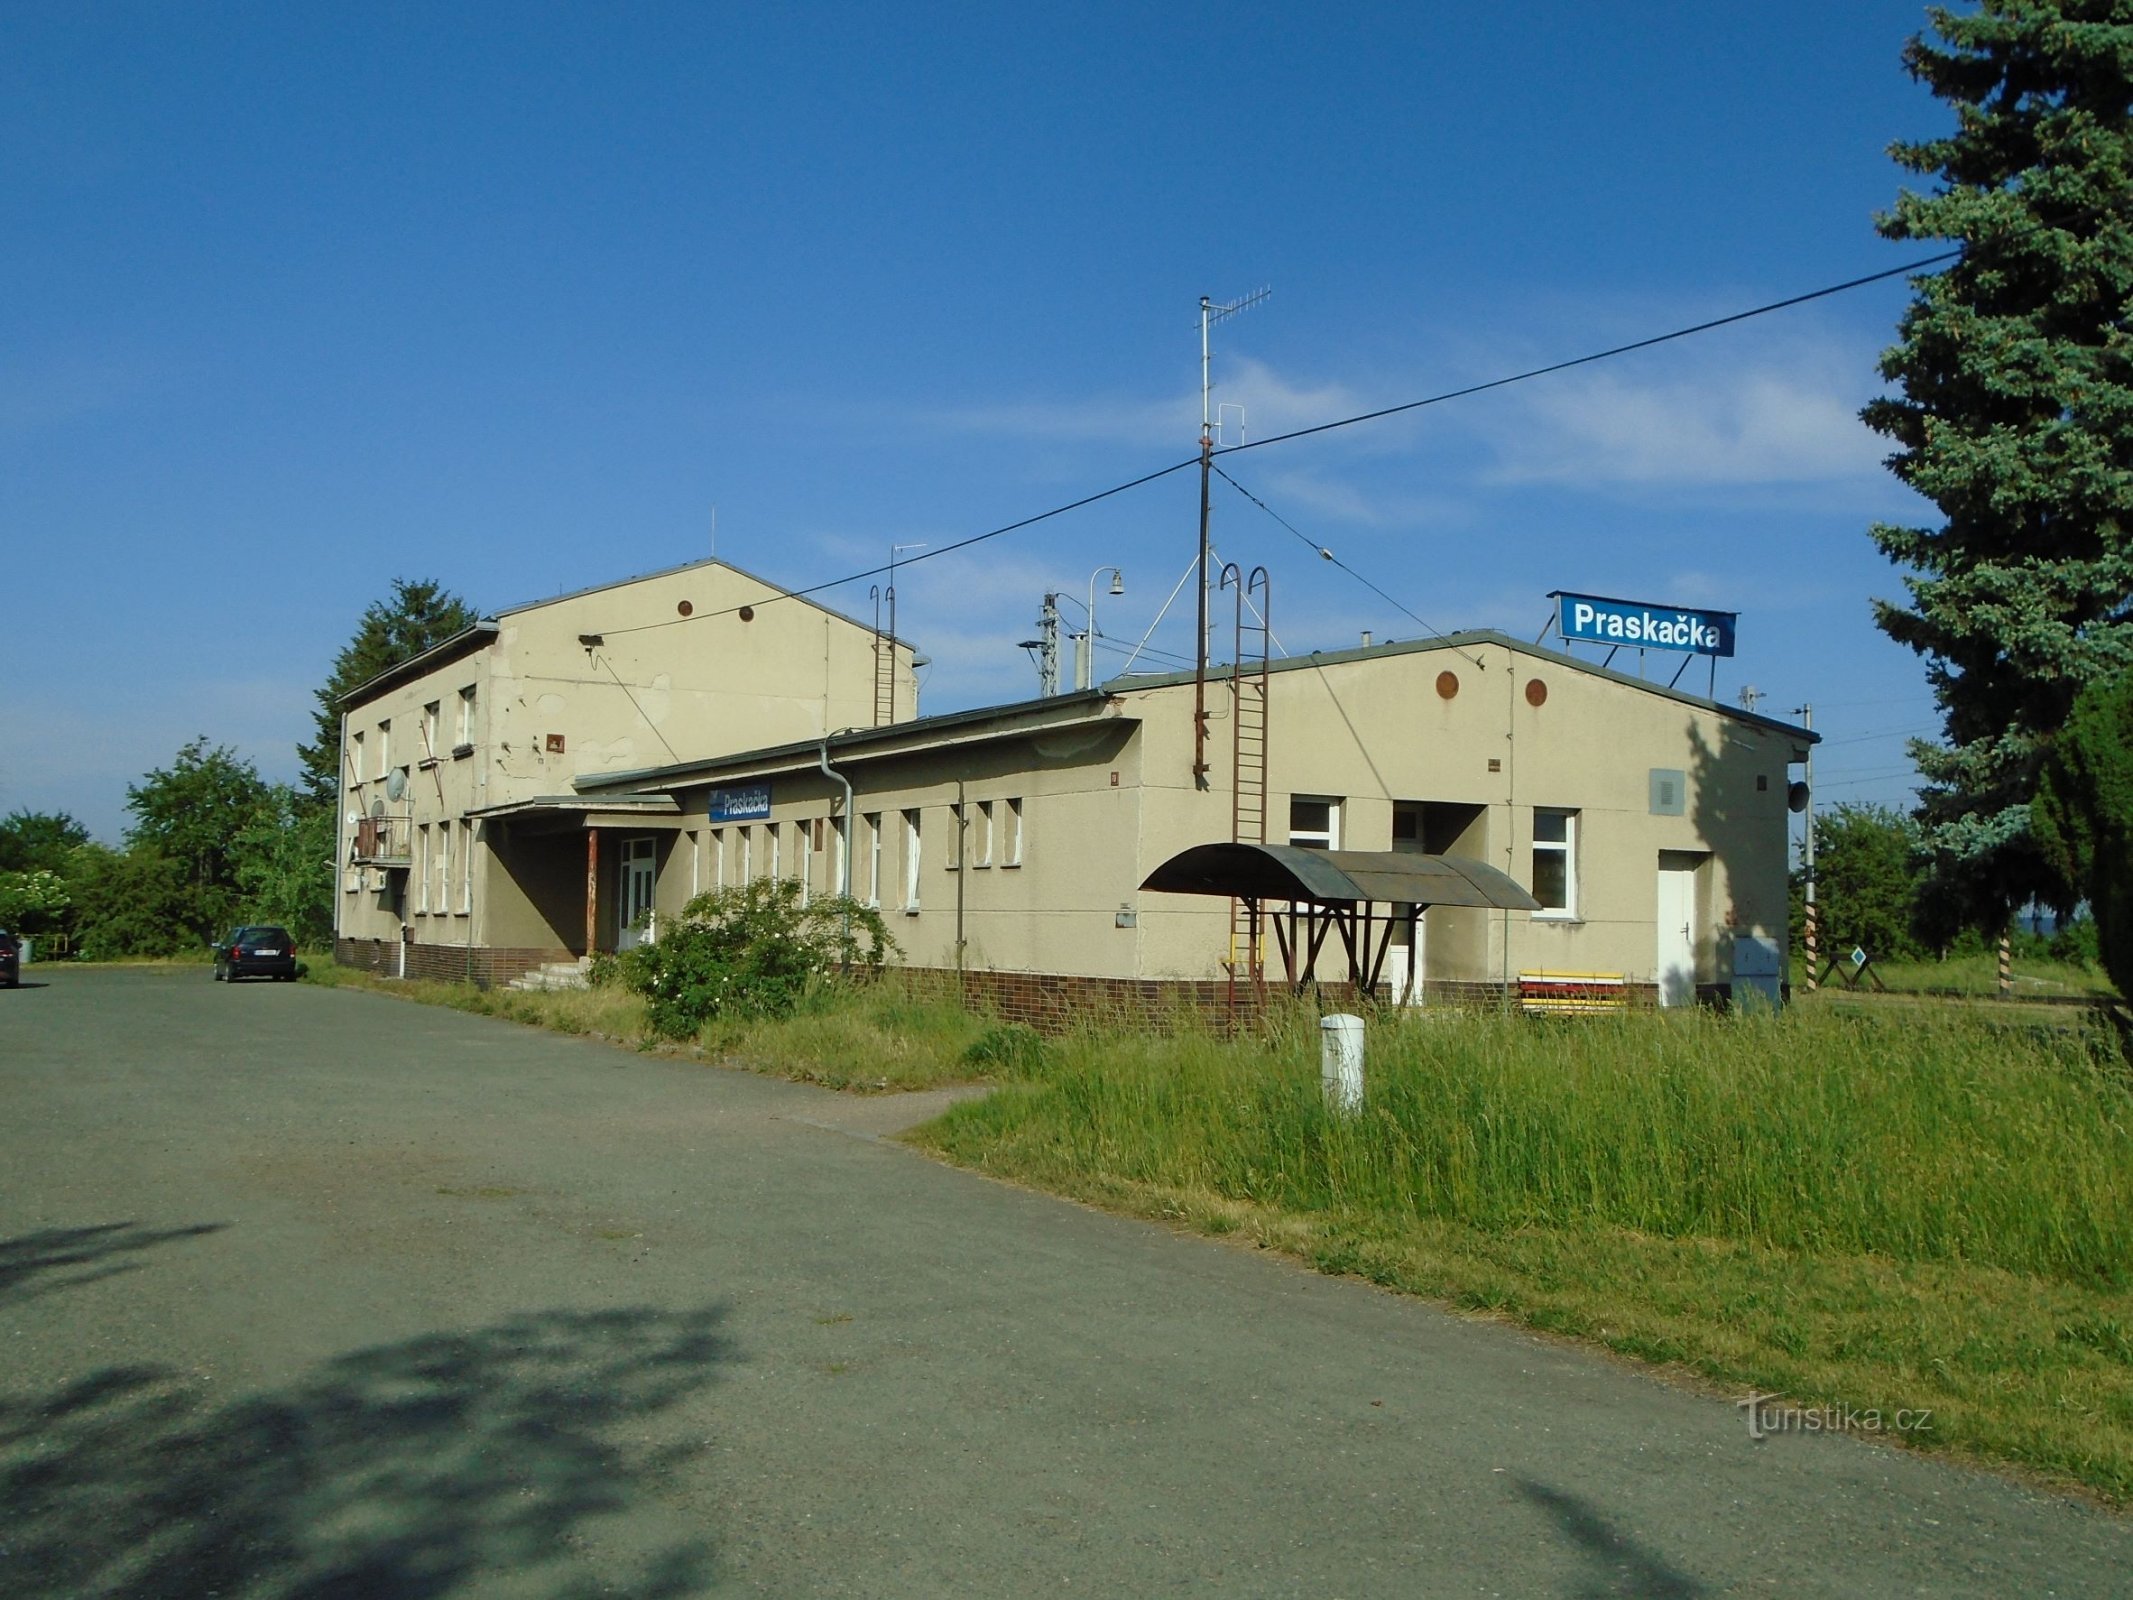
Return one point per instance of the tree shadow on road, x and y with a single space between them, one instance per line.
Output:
411 1471
1618 1564
34 1264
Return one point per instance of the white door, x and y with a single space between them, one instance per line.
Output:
634 905
1404 963
1676 964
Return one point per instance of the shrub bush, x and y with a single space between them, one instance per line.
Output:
750 951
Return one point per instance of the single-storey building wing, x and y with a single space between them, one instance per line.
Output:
466 849
1011 844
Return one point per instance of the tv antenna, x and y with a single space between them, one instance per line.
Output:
1210 314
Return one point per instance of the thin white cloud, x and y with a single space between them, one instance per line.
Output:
1269 404
1787 418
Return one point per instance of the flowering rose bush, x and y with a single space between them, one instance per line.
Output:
750 951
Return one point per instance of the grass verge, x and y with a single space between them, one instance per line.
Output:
881 1035
1842 1209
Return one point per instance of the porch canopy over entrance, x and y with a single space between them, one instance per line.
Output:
1325 890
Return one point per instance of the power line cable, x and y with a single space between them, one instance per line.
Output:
1327 553
1597 355
1323 427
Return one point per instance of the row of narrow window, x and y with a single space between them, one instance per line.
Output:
740 852
382 750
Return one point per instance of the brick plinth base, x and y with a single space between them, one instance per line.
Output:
482 966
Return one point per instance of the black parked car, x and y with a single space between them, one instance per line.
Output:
261 952
10 960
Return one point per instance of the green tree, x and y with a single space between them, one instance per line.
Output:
130 903
39 841
2016 415
284 866
415 616
2084 816
192 813
1866 876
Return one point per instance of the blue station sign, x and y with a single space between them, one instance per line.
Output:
1596 619
747 802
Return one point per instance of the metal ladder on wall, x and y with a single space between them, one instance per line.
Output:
1248 764
884 661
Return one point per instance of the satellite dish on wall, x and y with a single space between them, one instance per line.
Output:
1796 797
396 785
377 808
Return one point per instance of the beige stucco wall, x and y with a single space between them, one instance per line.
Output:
1374 731
1106 802
657 687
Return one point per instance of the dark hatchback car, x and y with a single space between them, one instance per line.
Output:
10 961
261 952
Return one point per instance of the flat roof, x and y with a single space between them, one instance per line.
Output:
1082 705
1460 641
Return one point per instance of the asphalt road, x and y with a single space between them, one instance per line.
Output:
312 1293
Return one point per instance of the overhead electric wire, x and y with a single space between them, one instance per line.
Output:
1326 552
1322 427
941 550
1597 355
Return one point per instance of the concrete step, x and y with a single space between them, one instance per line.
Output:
557 975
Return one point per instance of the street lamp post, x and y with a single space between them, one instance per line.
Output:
1085 675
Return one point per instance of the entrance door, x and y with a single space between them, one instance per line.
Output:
633 906
1676 963
1403 961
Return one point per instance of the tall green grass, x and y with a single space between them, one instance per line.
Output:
1936 1138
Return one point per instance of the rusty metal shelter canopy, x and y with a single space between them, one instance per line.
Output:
1329 890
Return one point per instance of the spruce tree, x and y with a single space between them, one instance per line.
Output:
2015 416
415 616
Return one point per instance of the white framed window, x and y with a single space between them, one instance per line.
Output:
777 850
1555 862
840 845
958 825
355 758
1315 822
429 730
911 861
466 869
1011 853
984 840
696 863
745 866
422 870
718 858
442 837
385 747
804 858
466 715
870 823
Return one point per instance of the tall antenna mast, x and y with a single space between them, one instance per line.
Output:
1210 314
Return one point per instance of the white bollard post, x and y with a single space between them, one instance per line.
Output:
1340 1062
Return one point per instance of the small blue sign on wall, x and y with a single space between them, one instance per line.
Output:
748 802
1596 619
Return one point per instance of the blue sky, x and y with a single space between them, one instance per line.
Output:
296 300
